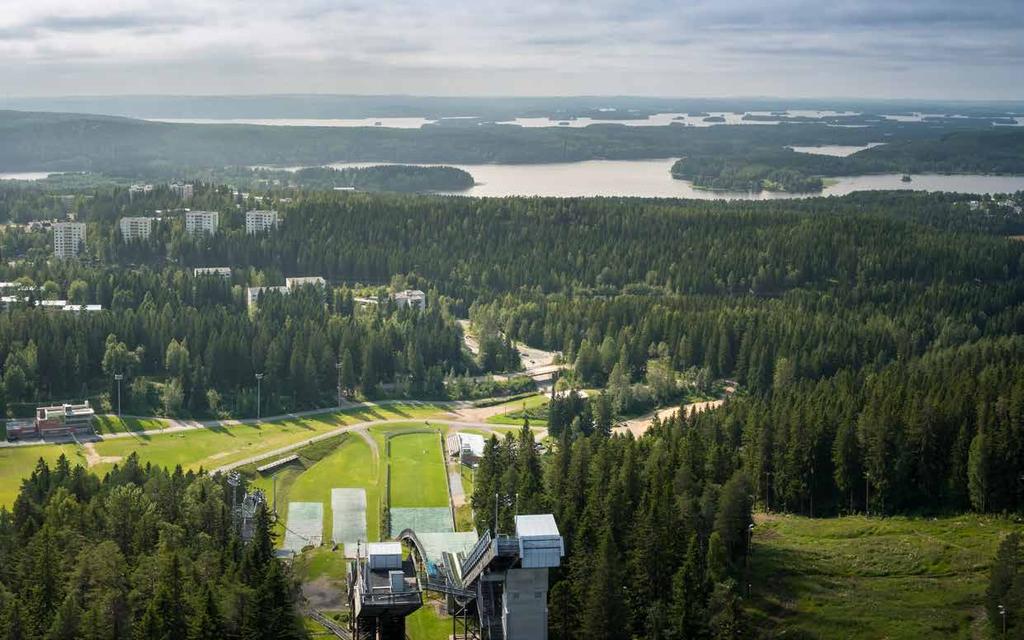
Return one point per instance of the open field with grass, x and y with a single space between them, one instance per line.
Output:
418 474
207 448
216 446
346 461
512 413
427 624
894 578
113 424
17 463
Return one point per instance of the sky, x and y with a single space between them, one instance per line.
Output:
942 49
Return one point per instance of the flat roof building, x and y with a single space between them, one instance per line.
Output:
302 281
136 228
258 221
411 298
68 239
223 272
252 294
199 223
183 191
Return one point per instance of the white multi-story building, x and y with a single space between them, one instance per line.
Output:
201 222
136 228
411 298
292 283
68 239
183 191
252 294
224 272
259 220
139 190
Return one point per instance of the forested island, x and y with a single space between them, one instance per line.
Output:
396 178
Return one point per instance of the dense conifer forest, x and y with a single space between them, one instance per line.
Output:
143 553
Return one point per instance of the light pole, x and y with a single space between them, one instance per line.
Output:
750 543
118 377
337 366
1002 613
867 493
259 379
767 495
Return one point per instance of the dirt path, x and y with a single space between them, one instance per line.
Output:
364 433
639 426
93 457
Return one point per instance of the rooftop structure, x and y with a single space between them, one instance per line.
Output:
201 222
467 447
258 221
136 228
411 298
68 239
383 590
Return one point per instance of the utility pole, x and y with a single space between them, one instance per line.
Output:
259 378
118 377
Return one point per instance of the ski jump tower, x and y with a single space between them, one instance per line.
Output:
383 590
503 578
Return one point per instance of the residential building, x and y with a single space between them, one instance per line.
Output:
183 191
292 283
224 272
136 228
199 223
68 239
411 298
259 220
252 294
138 190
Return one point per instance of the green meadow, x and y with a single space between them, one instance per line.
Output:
894 578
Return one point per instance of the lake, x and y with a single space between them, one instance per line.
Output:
651 178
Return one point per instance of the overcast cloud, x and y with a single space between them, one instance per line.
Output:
857 48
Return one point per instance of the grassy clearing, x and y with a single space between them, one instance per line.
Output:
534 407
872 578
321 563
427 624
418 473
113 424
17 463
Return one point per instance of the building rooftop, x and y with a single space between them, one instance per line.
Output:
537 526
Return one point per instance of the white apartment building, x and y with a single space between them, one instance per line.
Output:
201 222
252 294
68 239
223 272
259 220
291 283
139 190
136 228
183 191
411 298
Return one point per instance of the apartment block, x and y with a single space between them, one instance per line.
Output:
257 221
136 228
199 223
68 239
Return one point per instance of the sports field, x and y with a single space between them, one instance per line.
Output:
873 578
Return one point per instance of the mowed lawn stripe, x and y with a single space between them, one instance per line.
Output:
418 475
